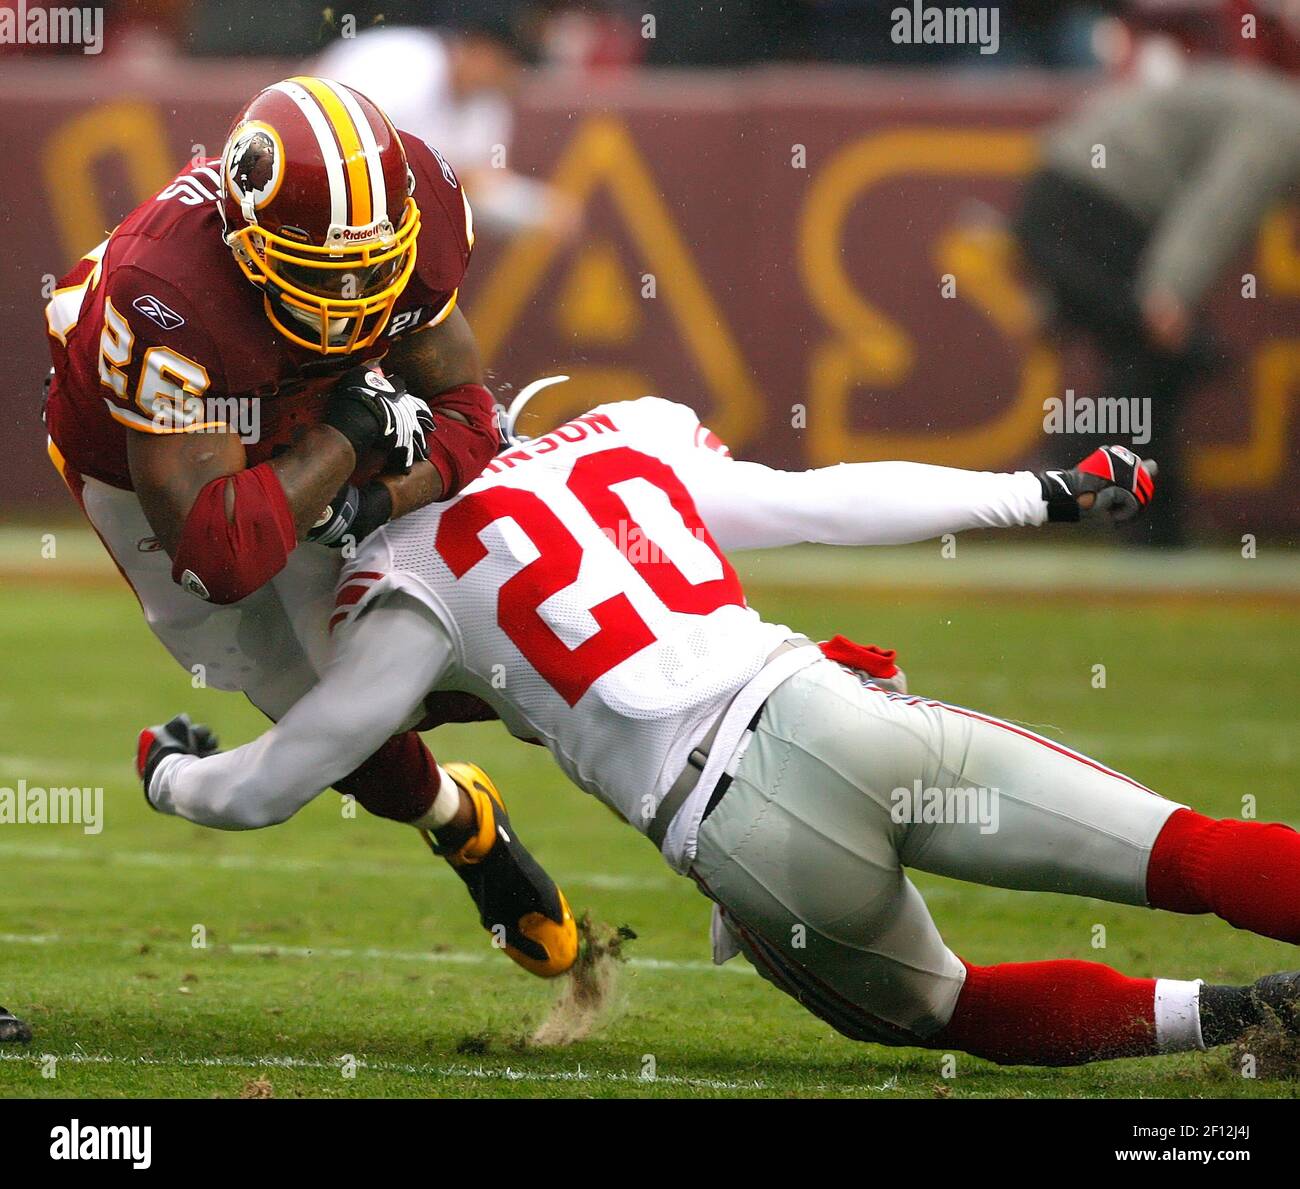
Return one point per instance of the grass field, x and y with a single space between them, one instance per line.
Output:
330 936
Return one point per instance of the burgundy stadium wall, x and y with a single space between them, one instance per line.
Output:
798 308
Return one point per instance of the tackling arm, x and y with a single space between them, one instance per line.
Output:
750 506
374 685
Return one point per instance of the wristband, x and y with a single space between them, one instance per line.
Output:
353 515
1062 504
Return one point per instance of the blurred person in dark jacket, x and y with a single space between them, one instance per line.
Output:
1142 200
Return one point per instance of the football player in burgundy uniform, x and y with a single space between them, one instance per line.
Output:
259 366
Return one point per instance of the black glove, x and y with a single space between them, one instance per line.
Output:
1120 483
178 737
352 515
373 410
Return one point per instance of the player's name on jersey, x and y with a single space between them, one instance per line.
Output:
574 431
33 805
41 24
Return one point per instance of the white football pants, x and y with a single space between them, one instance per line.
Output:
271 645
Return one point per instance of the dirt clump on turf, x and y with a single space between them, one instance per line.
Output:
257 1088
476 1044
587 992
1270 1051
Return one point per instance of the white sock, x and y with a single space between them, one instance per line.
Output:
1178 1015
444 804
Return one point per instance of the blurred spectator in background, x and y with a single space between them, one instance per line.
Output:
601 33
1045 33
1155 38
452 87
1276 40
588 36
1142 200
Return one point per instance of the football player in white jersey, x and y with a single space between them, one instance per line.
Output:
580 588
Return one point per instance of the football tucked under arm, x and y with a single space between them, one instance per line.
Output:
750 506
372 688
442 366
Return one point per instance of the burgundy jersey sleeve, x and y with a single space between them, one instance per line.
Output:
446 236
159 368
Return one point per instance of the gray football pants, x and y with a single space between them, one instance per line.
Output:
844 785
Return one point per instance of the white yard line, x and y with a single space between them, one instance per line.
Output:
505 1073
441 1072
1008 563
43 771
52 852
351 953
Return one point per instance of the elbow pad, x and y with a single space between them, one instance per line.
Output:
459 452
224 559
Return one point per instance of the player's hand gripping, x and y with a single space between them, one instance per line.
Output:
178 737
518 903
374 411
1112 483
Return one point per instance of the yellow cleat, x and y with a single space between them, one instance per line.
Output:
518 903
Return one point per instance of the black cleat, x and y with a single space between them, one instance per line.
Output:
1277 1000
509 887
12 1029
1272 1002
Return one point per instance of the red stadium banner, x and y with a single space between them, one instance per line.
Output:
813 258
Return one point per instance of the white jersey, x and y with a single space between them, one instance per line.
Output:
587 603
575 588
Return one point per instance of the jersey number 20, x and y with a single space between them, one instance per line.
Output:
621 631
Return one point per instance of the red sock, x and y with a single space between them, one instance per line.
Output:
1051 1013
1248 873
399 781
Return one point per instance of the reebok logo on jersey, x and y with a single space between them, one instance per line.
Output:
156 311
448 174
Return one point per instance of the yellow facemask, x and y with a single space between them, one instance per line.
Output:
346 293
